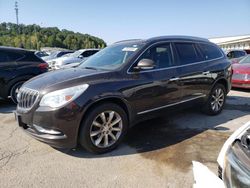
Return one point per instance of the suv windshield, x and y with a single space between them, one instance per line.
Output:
112 57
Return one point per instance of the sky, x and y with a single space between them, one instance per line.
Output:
114 20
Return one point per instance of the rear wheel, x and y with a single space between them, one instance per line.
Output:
216 100
103 128
14 91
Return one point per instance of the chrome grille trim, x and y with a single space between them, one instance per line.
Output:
27 98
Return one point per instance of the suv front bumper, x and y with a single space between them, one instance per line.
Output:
58 128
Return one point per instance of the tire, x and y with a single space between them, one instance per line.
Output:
14 91
216 100
93 131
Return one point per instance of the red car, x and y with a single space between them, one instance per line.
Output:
241 73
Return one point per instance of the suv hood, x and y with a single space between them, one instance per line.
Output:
61 79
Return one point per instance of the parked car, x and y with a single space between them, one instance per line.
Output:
41 54
75 57
127 82
56 54
241 73
234 159
17 66
236 55
72 65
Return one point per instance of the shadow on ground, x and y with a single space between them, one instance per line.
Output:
187 129
162 133
7 106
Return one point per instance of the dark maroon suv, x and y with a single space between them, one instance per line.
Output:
95 103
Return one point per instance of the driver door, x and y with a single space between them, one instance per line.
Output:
157 88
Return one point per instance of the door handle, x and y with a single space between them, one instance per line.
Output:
174 79
206 72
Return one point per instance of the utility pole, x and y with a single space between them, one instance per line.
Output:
16 9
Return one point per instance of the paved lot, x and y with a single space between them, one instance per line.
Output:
156 153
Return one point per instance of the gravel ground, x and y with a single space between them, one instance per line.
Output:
156 153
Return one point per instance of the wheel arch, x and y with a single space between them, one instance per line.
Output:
224 82
14 81
111 99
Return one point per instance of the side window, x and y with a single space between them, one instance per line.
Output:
88 53
230 55
209 51
160 54
85 54
187 53
13 56
3 57
242 53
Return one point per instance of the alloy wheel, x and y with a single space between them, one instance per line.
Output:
106 129
217 99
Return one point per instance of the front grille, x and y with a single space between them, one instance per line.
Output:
27 98
237 76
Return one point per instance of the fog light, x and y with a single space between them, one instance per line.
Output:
46 131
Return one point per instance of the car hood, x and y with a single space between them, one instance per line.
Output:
67 60
241 68
61 79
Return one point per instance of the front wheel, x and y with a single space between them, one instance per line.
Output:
103 128
216 100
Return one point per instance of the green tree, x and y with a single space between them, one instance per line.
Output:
35 37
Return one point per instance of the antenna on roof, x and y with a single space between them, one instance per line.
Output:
16 9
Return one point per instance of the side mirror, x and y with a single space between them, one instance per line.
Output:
80 56
145 64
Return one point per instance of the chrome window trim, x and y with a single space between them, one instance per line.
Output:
168 105
172 41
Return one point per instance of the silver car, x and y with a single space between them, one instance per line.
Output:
75 57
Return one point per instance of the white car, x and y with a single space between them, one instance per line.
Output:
75 57
233 161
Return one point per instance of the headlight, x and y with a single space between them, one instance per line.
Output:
62 97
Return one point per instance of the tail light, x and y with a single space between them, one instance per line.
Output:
43 65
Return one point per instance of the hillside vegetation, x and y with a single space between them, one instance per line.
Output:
35 37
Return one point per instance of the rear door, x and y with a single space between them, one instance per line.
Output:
193 76
156 88
8 66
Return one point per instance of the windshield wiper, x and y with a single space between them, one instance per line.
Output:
93 68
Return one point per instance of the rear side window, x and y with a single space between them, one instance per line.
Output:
160 54
187 53
238 54
3 57
210 51
14 56
30 56
10 56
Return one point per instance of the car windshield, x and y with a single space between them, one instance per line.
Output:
245 60
76 53
112 57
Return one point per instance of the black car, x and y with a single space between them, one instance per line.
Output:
17 66
127 82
